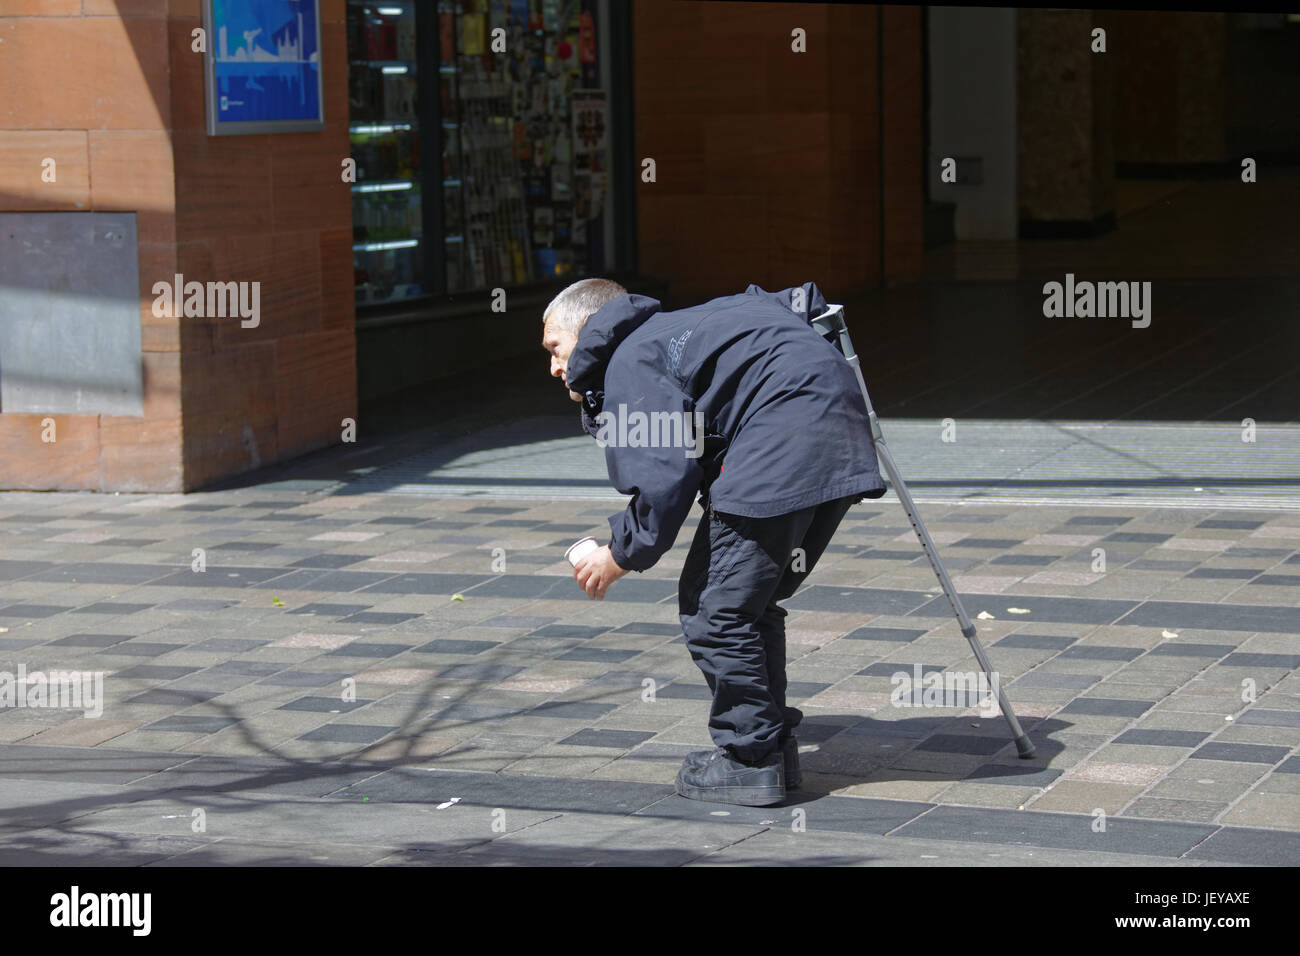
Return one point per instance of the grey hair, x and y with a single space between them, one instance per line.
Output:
571 308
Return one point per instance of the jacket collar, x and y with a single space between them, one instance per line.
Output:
601 335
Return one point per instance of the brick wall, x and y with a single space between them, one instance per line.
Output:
112 89
768 160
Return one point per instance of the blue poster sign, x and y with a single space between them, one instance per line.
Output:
263 66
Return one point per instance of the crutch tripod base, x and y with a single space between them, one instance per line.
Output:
831 322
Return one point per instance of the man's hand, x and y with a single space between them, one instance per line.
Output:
596 572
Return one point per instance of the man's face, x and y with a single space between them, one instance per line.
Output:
560 342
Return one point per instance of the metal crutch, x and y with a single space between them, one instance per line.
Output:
832 322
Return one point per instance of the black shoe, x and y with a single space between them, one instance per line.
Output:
790 752
723 779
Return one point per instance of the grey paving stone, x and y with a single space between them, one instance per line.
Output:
1277 580
197 724
1290 765
1100 652
1060 830
293 678
598 655
1060 681
1054 609
142 648
398 520
35 611
835 814
1232 524
103 572
1249 846
341 582
378 618
325 705
1158 564
1270 718
1102 707
964 744
247 668
220 576
516 621
21 643
801 689
475 712
248 546
173 697
1046 642
479 672
1032 560
619 739
1241 753
885 554
888 669
1161 738
1012 775
820 597
567 631
359 649
897 634
1102 520
1161 808
90 640
231 645
685 691
449 646
1185 649
1214 617
909 727
490 790
1137 537
155 672
426 583
81 764
108 607
998 543
13 570
649 627
1226 574
331 610
198 604
328 560
1240 659
629 679
1237 551
571 709
668 753
818 730
348 733
84 848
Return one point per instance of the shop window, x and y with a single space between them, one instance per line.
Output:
520 179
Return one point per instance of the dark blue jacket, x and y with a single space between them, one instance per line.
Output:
784 421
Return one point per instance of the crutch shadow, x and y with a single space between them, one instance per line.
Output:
839 751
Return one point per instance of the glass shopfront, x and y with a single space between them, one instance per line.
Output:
480 131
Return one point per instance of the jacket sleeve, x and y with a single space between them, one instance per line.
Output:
654 451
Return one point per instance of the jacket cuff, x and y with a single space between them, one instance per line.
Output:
621 559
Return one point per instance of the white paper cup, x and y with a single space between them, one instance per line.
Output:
580 549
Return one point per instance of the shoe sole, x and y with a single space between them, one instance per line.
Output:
741 796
